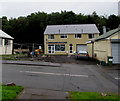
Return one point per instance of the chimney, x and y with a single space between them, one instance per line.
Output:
59 30
104 29
81 30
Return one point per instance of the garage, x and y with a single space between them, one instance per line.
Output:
115 53
81 48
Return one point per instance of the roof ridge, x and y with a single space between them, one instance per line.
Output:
71 24
71 28
107 34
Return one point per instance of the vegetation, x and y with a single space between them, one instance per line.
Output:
94 96
9 92
12 56
30 29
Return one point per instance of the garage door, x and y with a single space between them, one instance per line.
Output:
81 48
115 53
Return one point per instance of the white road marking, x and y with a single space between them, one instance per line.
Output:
117 78
76 75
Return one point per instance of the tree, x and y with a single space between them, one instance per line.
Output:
30 29
68 17
113 21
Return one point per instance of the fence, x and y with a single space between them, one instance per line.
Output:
26 47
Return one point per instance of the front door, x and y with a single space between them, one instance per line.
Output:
51 49
70 48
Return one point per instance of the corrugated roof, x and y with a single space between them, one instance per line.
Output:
108 34
5 35
71 29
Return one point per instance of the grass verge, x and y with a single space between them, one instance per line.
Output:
93 96
9 92
12 56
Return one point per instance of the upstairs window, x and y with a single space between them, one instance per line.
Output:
91 36
50 36
77 35
63 36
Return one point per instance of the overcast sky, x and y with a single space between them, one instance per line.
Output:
12 8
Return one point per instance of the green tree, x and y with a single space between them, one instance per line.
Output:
30 29
113 21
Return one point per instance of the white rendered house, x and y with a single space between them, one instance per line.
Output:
6 43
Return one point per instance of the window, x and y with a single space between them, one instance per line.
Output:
1 41
50 36
7 42
59 47
63 36
91 36
77 35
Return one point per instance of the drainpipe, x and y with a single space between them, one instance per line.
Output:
92 50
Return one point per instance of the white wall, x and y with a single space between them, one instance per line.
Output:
6 49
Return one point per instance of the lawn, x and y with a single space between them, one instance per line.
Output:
12 56
9 92
93 96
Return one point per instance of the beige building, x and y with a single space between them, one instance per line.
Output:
105 47
6 43
68 39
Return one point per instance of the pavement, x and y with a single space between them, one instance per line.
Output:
34 63
30 93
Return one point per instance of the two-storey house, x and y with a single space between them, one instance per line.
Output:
68 39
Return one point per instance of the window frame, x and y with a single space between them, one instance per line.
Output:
63 36
51 36
91 35
7 42
77 36
60 46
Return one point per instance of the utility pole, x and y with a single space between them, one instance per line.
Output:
33 47
33 50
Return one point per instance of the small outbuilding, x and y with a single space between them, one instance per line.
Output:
6 43
105 48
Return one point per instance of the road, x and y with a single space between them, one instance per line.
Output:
67 77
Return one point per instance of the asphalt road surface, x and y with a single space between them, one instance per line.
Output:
67 77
